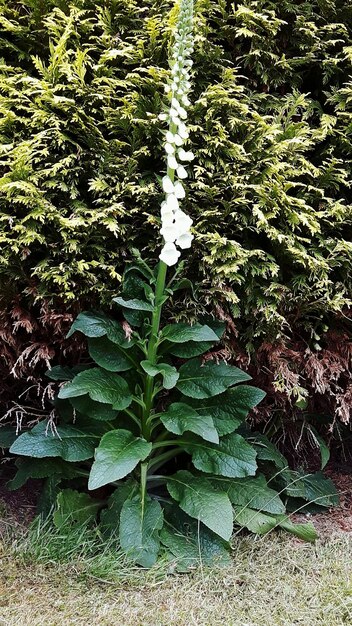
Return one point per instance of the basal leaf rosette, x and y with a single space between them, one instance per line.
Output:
182 479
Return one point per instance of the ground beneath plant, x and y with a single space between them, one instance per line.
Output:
272 581
338 518
275 580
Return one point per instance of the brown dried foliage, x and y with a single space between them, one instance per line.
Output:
31 341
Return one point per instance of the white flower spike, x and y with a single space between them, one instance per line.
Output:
175 224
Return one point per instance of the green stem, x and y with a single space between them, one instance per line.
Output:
144 468
149 389
132 416
152 347
164 444
160 460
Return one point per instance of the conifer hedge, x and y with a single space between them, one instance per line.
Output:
81 87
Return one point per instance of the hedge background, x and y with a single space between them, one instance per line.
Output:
81 86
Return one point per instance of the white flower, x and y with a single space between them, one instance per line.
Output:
185 156
182 222
167 217
169 232
168 185
170 138
182 131
169 149
169 254
181 172
172 203
178 140
163 117
179 190
171 162
182 113
184 241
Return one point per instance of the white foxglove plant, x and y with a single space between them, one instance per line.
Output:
158 432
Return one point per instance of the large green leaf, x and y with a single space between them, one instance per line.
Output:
90 408
140 524
188 350
204 381
68 442
306 531
118 453
256 521
199 499
232 457
262 523
168 372
108 355
180 418
315 488
48 496
183 333
101 386
73 506
195 348
251 492
63 372
97 325
134 304
266 450
110 517
191 543
41 468
230 408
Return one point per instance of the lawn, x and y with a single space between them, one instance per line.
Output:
272 581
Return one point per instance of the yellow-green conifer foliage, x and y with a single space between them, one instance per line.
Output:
81 87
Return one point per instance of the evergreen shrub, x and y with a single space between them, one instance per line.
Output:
81 85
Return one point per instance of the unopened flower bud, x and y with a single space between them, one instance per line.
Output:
181 172
168 185
171 162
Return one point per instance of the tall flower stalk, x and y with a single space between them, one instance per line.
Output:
175 224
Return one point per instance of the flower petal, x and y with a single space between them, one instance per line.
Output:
169 254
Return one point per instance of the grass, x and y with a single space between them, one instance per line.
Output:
46 580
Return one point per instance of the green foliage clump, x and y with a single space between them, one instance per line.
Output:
165 433
81 86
